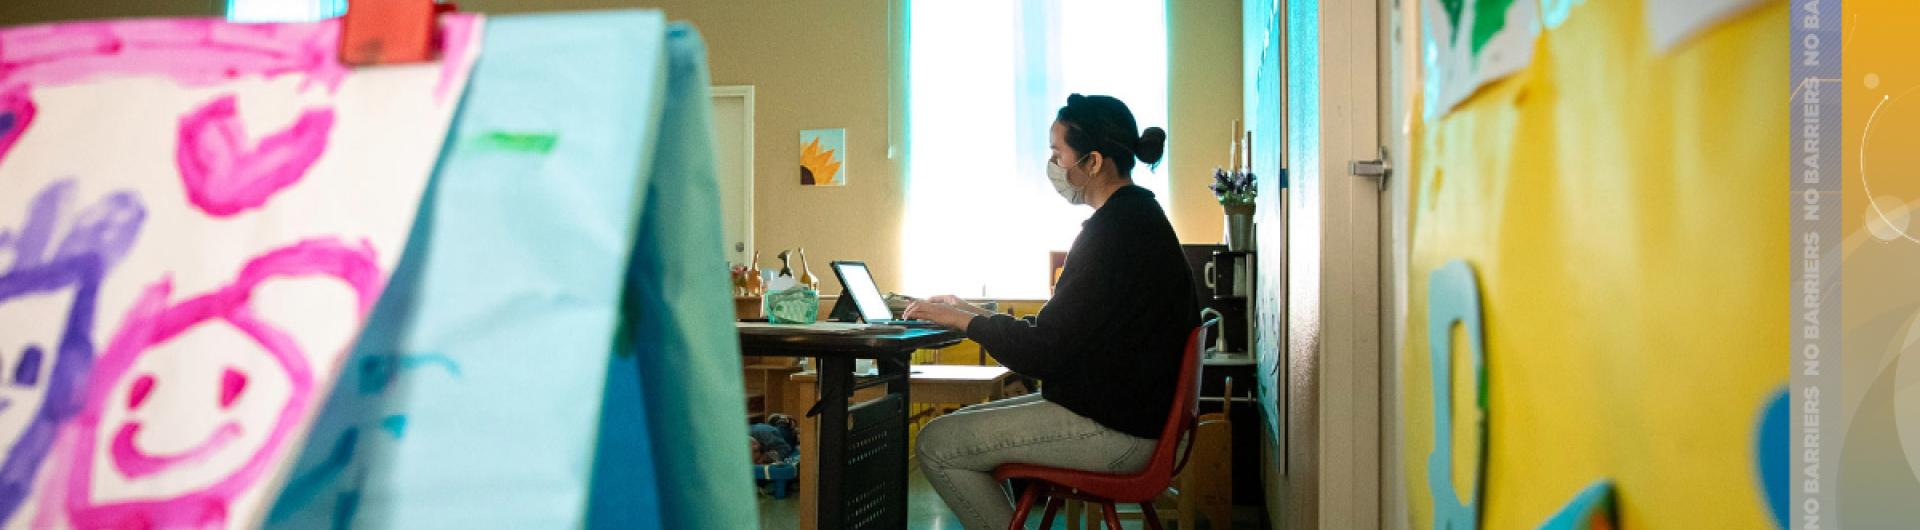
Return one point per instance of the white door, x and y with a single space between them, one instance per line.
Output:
1333 331
733 163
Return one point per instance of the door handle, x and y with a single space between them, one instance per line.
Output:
1378 169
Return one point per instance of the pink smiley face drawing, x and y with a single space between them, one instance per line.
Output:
117 391
135 462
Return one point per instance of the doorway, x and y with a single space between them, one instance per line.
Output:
733 165
1333 341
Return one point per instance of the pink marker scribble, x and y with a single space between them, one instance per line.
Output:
142 387
232 383
194 52
189 51
16 111
456 33
152 321
224 176
135 463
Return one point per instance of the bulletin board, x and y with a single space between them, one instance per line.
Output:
1609 222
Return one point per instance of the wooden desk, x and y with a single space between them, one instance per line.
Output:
826 440
944 384
939 383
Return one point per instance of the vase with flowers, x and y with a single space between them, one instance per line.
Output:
1236 189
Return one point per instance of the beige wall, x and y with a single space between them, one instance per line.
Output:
813 64
826 64
27 11
1203 100
832 71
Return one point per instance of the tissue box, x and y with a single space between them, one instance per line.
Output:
798 305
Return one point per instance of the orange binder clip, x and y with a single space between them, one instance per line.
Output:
390 31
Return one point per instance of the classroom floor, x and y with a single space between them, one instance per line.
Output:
925 511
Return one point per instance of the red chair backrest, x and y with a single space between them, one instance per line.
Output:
1180 416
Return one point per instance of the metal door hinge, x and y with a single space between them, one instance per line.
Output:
1379 168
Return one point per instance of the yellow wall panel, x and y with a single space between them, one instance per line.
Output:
1624 210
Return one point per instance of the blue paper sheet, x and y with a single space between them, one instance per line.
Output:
680 307
556 345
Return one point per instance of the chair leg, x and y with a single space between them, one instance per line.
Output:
1053 506
1113 515
1073 514
1019 521
1153 519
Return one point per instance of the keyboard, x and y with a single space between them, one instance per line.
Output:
906 323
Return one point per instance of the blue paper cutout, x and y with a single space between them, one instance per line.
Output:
1453 296
1771 455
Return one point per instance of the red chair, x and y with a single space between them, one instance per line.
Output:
1058 485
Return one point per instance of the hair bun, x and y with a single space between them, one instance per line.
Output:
1152 144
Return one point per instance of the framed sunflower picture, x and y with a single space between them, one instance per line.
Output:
823 157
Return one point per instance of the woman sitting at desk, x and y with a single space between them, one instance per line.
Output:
1107 347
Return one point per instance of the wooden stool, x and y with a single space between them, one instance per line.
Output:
1206 485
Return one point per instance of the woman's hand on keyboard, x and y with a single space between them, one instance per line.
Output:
942 314
956 303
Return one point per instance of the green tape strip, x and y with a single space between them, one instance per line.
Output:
519 142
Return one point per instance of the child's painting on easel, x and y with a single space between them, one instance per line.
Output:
195 219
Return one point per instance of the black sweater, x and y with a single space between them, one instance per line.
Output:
1108 345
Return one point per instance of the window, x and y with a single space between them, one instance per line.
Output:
985 79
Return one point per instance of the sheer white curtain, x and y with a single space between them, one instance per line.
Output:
985 80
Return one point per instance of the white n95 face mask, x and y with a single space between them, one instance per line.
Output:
1075 195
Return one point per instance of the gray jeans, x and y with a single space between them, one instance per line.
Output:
958 452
